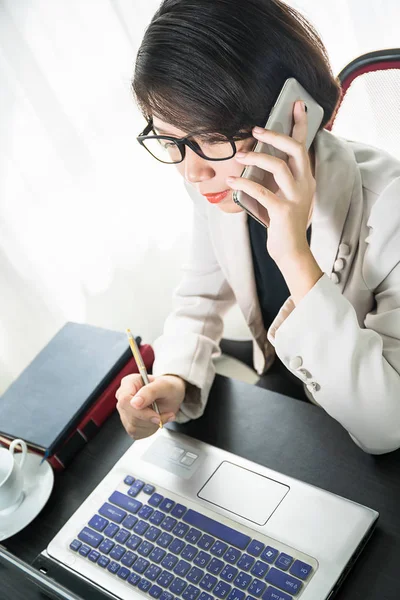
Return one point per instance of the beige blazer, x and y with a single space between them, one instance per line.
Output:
343 338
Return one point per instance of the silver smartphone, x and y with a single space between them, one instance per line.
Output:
280 120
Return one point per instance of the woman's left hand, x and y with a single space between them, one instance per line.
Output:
290 205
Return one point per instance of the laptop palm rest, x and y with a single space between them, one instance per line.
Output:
243 492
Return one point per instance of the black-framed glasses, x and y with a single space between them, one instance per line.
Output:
171 150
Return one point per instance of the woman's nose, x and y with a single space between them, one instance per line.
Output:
197 168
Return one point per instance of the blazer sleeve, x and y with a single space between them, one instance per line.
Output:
193 330
356 370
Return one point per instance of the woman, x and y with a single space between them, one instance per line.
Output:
322 289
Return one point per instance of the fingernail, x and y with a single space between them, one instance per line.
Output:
258 129
240 154
137 401
155 420
230 179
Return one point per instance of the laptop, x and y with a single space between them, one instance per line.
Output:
178 519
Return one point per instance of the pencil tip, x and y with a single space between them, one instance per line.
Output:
128 331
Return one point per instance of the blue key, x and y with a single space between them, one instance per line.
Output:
269 554
177 586
215 566
123 501
191 593
103 561
243 580
274 594
112 513
301 569
152 533
189 552
205 542
157 555
167 505
208 582
212 527
178 510
259 569
231 555
133 579
202 559
166 596
94 556
140 565
133 542
113 567
117 552
98 523
194 575
129 558
112 529
155 591
75 545
144 585
129 480
155 499
106 546
165 579
255 548
123 573
164 540
148 489
236 594
193 535
136 487
169 562
246 562
176 546
168 524
153 572
222 589
204 596
157 517
141 527
218 548
122 536
256 588
88 536
284 561
182 568
284 581
129 521
229 573
145 511
145 548
180 529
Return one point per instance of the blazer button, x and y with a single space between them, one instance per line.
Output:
335 278
344 249
295 363
313 386
339 264
303 374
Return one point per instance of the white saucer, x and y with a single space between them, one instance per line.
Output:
38 483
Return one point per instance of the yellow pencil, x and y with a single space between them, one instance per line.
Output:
142 369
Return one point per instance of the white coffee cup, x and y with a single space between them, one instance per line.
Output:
11 477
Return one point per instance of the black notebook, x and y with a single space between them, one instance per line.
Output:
44 404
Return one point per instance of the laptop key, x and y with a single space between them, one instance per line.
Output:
112 529
145 548
106 546
222 590
155 591
168 524
94 556
219 530
180 530
236 594
133 579
155 499
181 568
259 569
300 569
194 575
165 579
284 561
123 501
148 489
133 542
191 593
215 566
157 555
112 512
169 562
166 596
129 522
98 523
176 546
152 533
140 565
129 480
269 554
284 581
177 586
113 567
103 561
202 559
242 580
117 552
232 555
164 540
145 511
275 594
75 545
229 573
193 535
205 542
208 582
255 548
218 548
153 572
123 573
88 536
204 596
129 558
122 536
189 552
167 505
144 585
178 510
245 562
141 527
157 517
256 588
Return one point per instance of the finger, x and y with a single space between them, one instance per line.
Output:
268 199
149 393
131 384
279 169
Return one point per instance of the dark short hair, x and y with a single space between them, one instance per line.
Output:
218 65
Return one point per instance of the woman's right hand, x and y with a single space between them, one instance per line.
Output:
135 400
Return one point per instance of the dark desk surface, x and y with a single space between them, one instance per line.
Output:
287 435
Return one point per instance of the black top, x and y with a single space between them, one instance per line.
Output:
272 290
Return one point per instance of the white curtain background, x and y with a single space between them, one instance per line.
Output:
92 229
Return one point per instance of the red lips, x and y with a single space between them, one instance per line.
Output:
216 198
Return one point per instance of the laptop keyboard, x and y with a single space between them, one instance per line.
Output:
171 552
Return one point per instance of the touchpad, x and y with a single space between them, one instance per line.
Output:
243 492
